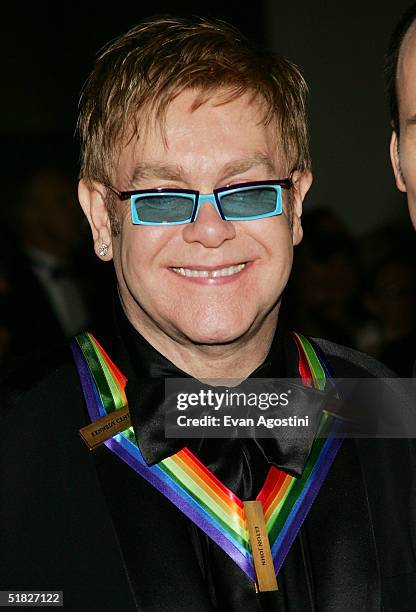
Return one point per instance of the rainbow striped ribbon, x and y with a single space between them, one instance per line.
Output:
194 489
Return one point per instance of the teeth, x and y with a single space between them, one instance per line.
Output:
227 271
210 274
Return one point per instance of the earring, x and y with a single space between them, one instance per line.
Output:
103 250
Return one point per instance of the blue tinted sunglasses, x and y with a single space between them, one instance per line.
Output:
242 202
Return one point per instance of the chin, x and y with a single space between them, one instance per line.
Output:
215 334
213 340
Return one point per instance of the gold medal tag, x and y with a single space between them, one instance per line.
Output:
260 546
104 428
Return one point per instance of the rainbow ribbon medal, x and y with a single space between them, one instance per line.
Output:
195 490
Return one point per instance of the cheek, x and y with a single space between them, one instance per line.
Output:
276 238
281 268
276 265
141 248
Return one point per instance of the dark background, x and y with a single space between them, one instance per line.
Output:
47 53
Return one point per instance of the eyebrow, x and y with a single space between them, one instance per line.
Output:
176 172
243 165
170 172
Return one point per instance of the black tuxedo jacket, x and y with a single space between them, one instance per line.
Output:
85 523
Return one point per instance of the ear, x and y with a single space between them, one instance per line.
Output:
301 184
395 162
92 199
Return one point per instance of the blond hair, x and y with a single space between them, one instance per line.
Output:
145 69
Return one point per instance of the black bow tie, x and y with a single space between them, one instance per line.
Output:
241 464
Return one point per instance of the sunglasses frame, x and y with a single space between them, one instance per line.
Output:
197 199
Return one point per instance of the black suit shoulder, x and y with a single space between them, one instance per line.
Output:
41 395
348 363
352 363
27 372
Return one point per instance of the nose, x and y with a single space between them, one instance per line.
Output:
208 228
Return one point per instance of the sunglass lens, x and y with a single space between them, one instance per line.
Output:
164 208
249 202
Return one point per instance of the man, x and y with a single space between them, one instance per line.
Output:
401 88
401 84
194 170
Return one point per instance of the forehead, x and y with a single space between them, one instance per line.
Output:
406 72
205 136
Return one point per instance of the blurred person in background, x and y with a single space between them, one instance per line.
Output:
388 294
48 296
390 297
321 297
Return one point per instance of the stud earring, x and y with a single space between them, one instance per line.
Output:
103 250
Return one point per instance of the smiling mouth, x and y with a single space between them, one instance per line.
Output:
210 273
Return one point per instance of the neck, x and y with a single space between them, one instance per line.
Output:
236 359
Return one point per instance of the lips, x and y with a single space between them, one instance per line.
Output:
205 273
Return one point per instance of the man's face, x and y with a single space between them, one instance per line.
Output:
403 152
213 146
